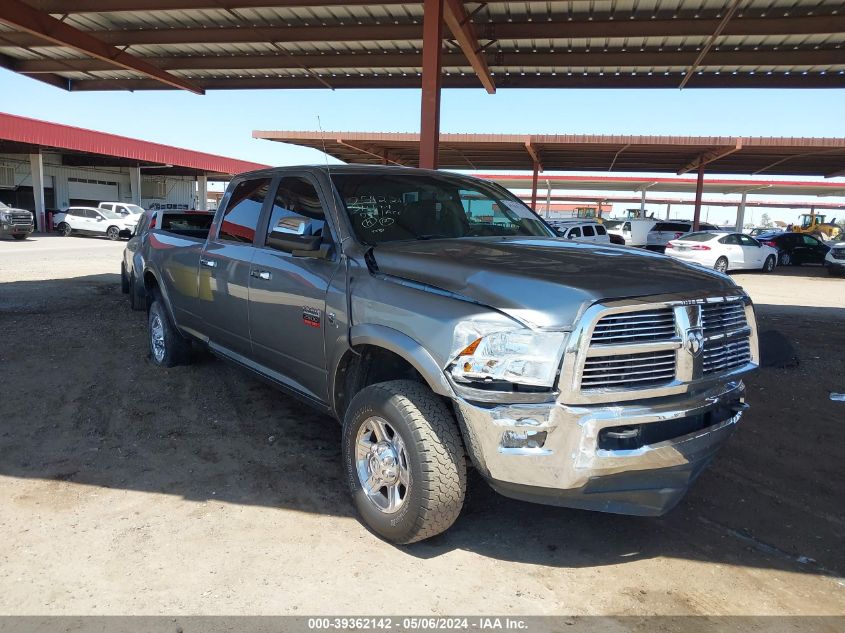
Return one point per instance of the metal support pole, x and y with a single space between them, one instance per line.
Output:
668 210
642 204
699 190
202 193
36 166
548 197
740 214
431 80
534 177
135 184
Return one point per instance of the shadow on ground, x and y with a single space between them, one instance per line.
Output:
82 403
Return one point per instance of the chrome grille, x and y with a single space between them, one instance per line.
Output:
635 327
723 356
21 218
722 318
839 253
628 370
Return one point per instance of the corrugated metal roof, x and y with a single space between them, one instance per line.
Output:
44 134
580 43
673 154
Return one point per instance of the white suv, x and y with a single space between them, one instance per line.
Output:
835 259
663 232
592 232
91 221
122 208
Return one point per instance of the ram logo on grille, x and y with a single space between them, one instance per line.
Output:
694 340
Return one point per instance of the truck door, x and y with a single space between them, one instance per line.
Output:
224 267
287 291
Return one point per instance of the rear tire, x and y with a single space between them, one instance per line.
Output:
137 298
418 448
785 259
769 264
721 265
124 280
64 229
168 347
113 233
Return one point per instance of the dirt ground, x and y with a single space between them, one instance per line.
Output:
127 489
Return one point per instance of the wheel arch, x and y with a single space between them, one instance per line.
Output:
361 365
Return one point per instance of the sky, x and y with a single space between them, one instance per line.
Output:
221 122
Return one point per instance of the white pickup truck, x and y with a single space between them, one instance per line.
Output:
633 231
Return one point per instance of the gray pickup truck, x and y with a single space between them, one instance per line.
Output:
18 223
444 325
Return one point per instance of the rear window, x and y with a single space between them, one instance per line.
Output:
177 222
673 227
600 230
698 237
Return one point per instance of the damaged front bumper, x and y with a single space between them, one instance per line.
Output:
635 458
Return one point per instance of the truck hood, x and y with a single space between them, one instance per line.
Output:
544 281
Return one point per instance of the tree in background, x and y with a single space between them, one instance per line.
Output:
766 221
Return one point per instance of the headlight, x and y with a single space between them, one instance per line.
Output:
5 217
516 355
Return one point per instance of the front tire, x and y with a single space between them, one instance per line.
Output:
785 259
721 265
404 461
113 233
168 347
19 237
64 229
769 264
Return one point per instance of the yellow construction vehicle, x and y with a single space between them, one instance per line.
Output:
815 225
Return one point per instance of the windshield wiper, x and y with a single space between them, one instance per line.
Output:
433 236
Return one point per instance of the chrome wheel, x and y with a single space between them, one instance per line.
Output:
721 265
770 264
157 338
785 259
113 233
382 464
65 229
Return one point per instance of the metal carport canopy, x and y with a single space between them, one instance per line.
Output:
672 154
203 45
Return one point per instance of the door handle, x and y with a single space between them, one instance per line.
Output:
209 263
260 274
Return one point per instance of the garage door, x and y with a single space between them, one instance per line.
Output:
92 190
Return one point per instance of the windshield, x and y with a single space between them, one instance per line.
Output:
134 209
614 224
395 207
111 215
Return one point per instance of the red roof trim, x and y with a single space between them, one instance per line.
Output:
663 179
54 135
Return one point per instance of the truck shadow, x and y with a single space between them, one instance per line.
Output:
91 409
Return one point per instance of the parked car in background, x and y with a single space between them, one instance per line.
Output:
183 223
571 374
723 251
633 232
592 232
662 232
17 223
835 259
795 249
761 230
122 208
92 221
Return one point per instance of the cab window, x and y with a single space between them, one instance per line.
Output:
574 232
240 220
588 231
600 230
296 210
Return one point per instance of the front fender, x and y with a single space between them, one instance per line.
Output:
404 346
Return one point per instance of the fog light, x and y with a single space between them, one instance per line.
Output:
523 439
